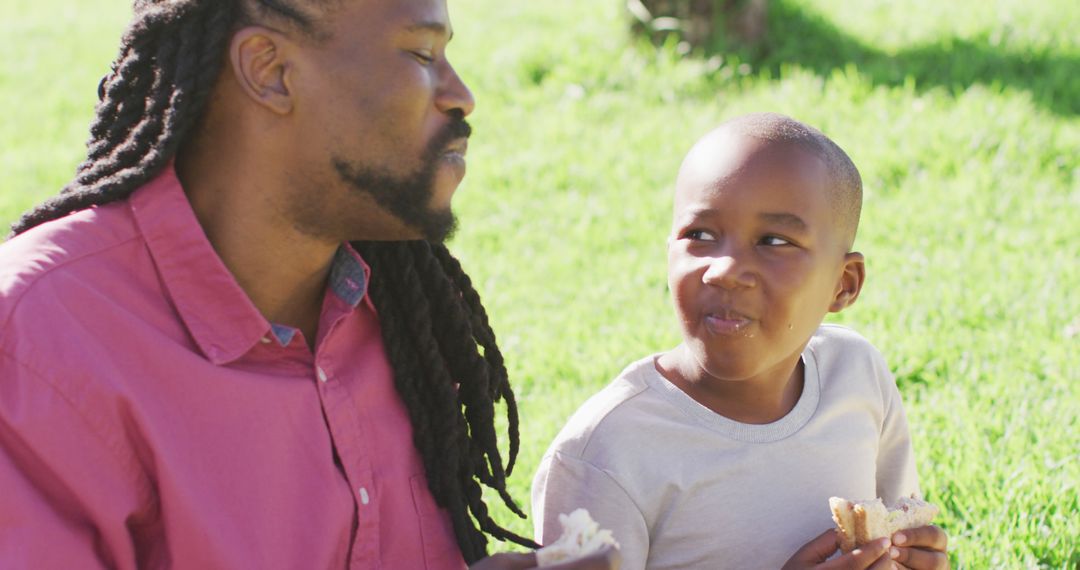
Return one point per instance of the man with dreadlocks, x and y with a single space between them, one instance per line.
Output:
236 339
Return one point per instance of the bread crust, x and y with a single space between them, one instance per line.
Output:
844 517
861 522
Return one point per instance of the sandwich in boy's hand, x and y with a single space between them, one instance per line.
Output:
581 536
860 522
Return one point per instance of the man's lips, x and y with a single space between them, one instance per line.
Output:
458 147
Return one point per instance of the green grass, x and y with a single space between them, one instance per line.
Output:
964 118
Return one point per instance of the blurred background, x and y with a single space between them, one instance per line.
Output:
963 117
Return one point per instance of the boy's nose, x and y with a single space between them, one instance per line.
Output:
725 271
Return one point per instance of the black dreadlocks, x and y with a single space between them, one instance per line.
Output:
448 369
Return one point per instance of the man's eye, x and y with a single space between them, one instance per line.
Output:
699 235
423 56
774 240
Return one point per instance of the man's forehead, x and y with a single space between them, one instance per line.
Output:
377 20
413 15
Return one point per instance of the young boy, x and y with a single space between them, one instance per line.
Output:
723 452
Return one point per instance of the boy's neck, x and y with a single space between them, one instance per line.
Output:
759 400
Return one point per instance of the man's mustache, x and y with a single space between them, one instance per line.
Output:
456 129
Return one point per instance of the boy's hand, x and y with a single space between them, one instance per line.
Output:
922 548
606 558
815 554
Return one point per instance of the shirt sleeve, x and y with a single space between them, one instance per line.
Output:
564 484
896 473
65 494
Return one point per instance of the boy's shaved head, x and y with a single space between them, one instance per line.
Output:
845 188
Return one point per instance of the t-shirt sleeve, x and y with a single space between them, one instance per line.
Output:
564 484
896 473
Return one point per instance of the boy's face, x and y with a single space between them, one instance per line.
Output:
755 258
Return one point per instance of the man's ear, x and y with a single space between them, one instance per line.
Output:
259 64
851 282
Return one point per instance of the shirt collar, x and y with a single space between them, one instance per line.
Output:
349 275
218 314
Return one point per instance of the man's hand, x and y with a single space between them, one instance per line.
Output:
815 554
606 558
922 548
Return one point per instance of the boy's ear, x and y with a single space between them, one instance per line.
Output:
851 282
257 55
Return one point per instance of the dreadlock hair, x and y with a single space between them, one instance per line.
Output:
448 370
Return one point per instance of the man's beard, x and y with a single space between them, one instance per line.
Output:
408 197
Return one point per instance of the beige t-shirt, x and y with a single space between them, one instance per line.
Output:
683 487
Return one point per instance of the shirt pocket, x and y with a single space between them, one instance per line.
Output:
440 546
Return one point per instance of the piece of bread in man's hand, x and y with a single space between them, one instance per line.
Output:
860 522
581 536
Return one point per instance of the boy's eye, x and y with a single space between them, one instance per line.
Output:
699 235
774 240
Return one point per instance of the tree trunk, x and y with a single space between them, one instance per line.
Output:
698 21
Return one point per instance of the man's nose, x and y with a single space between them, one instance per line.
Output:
454 94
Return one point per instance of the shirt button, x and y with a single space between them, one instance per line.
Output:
364 498
265 340
321 373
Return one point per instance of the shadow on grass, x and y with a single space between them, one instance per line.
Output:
796 37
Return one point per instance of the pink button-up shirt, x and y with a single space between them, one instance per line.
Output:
151 417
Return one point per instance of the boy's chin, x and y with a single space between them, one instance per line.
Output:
722 366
